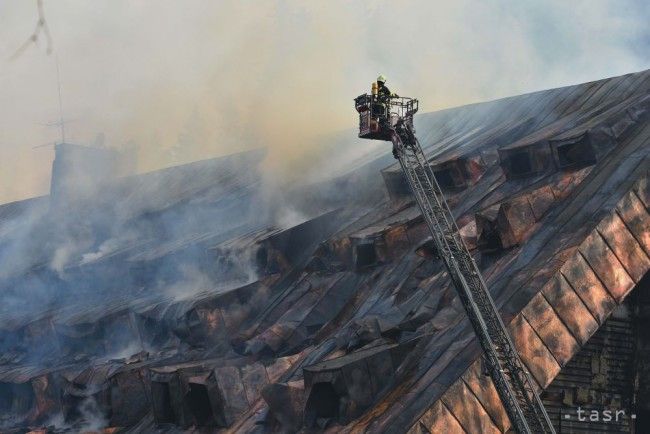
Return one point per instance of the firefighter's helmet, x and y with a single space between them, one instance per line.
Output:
381 78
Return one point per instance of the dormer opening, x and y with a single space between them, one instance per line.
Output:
520 164
575 153
450 177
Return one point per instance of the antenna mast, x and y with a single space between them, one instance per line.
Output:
58 81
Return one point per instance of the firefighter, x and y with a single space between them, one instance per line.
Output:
382 108
383 93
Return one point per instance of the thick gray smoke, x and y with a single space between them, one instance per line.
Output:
184 82
232 76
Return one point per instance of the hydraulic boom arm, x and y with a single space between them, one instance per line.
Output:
510 377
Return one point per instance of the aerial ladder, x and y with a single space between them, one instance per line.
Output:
392 120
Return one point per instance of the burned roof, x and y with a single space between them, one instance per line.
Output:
339 313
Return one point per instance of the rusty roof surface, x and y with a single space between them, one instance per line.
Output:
551 193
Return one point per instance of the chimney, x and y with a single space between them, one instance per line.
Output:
77 171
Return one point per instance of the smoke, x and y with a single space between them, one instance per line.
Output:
192 281
125 350
110 246
91 415
63 254
209 78
91 419
212 78
182 82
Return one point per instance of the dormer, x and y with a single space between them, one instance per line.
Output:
450 175
458 172
574 152
453 173
525 160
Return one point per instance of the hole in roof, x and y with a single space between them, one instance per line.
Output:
450 177
575 154
198 401
366 255
162 403
323 403
520 163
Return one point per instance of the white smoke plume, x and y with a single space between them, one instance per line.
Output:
202 78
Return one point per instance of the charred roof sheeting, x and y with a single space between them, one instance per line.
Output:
227 313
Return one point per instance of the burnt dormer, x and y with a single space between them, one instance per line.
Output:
395 182
487 232
573 152
525 160
368 247
450 175
580 148
453 173
511 222
457 172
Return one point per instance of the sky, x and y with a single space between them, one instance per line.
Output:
192 79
